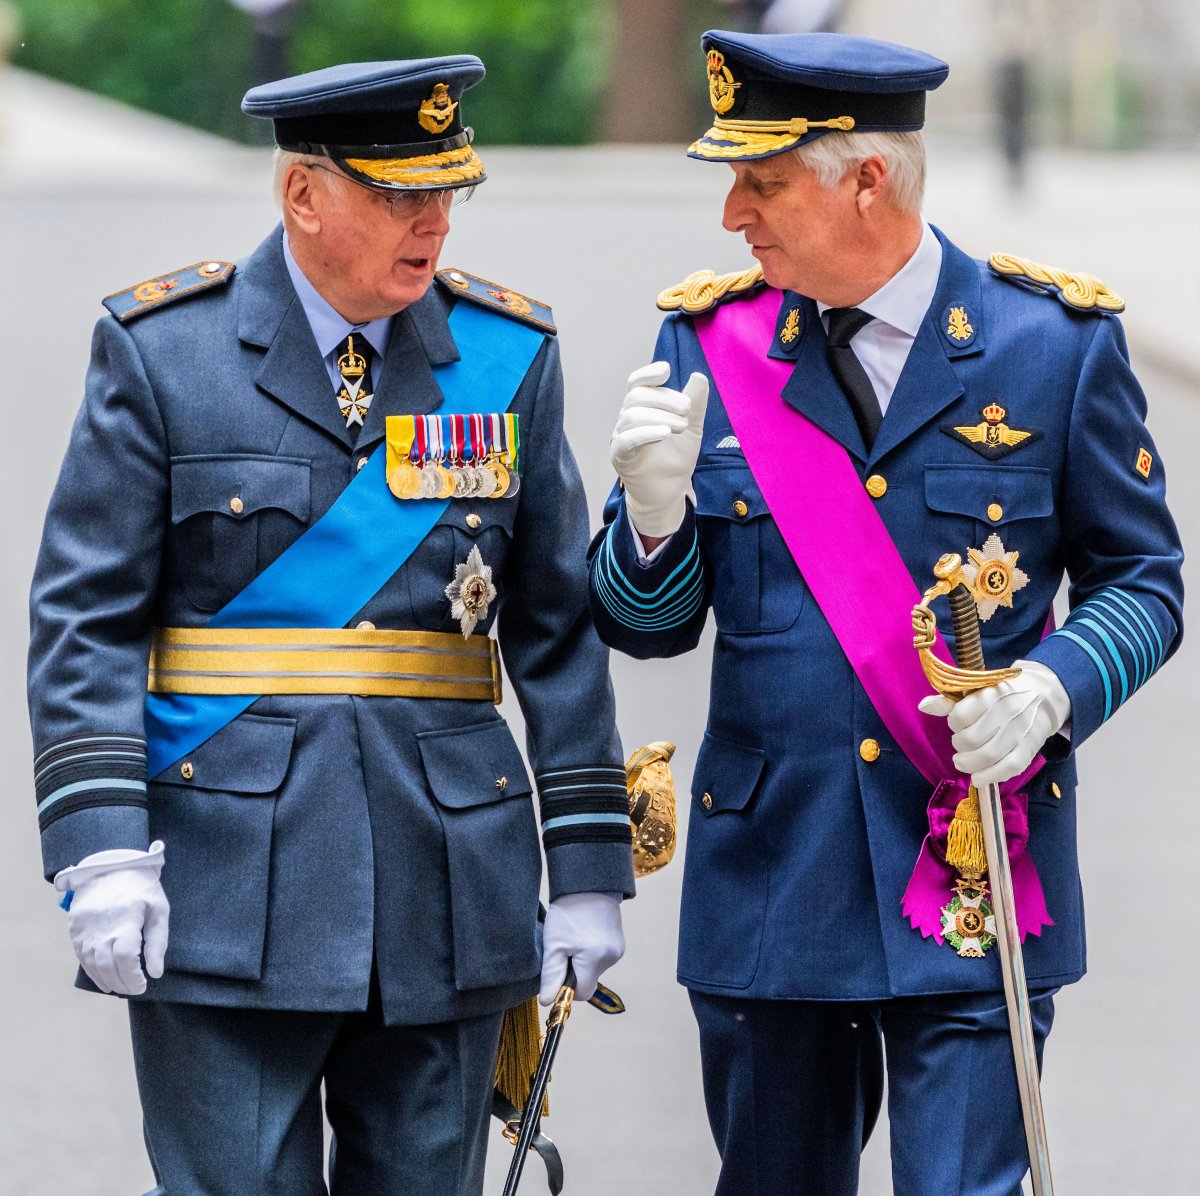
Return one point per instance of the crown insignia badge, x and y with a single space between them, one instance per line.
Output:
720 83
351 364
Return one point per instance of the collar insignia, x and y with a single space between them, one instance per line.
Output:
791 327
992 438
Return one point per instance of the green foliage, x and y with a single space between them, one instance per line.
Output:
192 59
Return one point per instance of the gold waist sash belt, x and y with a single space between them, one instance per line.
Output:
398 664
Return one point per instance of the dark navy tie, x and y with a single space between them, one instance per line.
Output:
845 323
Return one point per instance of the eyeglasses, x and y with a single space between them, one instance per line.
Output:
404 205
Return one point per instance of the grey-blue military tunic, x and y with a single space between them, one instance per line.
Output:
315 837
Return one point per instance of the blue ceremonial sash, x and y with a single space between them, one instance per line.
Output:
342 561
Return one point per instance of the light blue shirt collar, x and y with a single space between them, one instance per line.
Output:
329 328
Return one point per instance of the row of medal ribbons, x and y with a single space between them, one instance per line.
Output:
453 456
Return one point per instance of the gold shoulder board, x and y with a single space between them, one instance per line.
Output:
167 288
1083 292
702 291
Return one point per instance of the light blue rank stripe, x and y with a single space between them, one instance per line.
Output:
654 612
577 819
1141 616
95 783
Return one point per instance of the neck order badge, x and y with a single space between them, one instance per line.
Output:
358 544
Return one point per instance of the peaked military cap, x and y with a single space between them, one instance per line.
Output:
394 125
774 92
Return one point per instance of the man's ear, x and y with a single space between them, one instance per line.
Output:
300 200
870 181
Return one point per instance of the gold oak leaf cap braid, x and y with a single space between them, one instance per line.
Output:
1084 292
703 290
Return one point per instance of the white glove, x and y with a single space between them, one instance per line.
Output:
655 445
118 912
999 730
584 928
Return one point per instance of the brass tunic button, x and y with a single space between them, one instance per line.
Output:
473 521
1055 789
365 625
186 770
869 750
236 505
876 485
995 512
361 462
706 801
740 509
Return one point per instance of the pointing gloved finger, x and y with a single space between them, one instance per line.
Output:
126 948
654 374
936 704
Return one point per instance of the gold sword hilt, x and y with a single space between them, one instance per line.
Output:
953 680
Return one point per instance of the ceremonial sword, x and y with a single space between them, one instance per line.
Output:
524 1133
958 682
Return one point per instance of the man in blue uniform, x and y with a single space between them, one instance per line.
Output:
302 491
814 433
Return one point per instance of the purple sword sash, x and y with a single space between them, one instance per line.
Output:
819 510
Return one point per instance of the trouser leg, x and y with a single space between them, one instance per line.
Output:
409 1105
953 1103
231 1097
792 1089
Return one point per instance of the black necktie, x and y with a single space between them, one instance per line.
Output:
844 325
355 392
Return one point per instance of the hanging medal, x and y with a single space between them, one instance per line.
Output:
485 478
513 439
496 459
404 479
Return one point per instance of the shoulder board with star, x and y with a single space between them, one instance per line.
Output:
1079 292
702 291
498 298
167 288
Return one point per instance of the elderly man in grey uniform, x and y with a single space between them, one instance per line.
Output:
300 493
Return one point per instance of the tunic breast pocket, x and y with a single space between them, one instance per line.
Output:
486 524
966 504
232 515
756 588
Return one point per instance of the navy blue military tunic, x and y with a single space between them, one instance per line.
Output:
315 837
801 840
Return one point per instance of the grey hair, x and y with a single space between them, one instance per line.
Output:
831 156
283 160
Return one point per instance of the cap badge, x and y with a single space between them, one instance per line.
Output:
436 113
720 83
958 325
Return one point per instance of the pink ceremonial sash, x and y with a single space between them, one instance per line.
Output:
821 511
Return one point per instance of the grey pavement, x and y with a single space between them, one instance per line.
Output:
597 233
